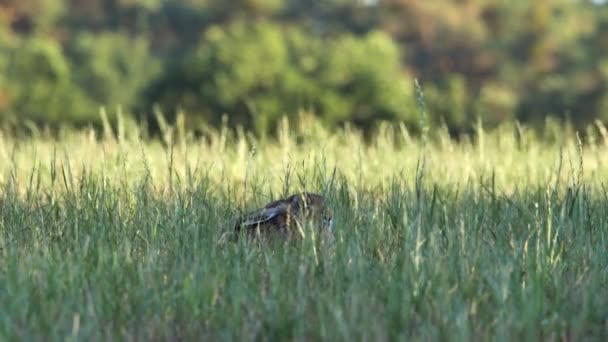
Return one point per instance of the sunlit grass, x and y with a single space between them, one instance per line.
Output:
499 236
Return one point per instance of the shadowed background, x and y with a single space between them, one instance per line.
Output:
255 61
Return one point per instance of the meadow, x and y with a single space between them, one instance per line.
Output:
499 236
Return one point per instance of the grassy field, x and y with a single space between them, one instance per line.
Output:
497 237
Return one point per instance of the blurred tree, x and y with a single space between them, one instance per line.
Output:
515 59
112 68
48 96
5 20
259 72
260 59
95 15
331 17
368 81
599 44
245 9
100 70
453 51
32 16
561 77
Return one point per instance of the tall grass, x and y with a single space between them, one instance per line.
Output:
504 238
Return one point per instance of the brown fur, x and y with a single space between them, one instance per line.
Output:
285 217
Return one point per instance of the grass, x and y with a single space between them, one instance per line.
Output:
497 237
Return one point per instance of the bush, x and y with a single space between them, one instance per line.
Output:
112 67
39 84
50 87
257 73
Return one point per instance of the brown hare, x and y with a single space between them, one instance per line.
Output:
287 218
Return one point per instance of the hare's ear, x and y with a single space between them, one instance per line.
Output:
264 215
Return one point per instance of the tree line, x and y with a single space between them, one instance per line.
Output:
253 62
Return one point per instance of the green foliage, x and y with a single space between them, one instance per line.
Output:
4 101
245 8
503 60
49 94
30 17
347 61
112 68
369 80
106 70
257 73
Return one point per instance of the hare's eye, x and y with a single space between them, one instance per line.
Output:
328 222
